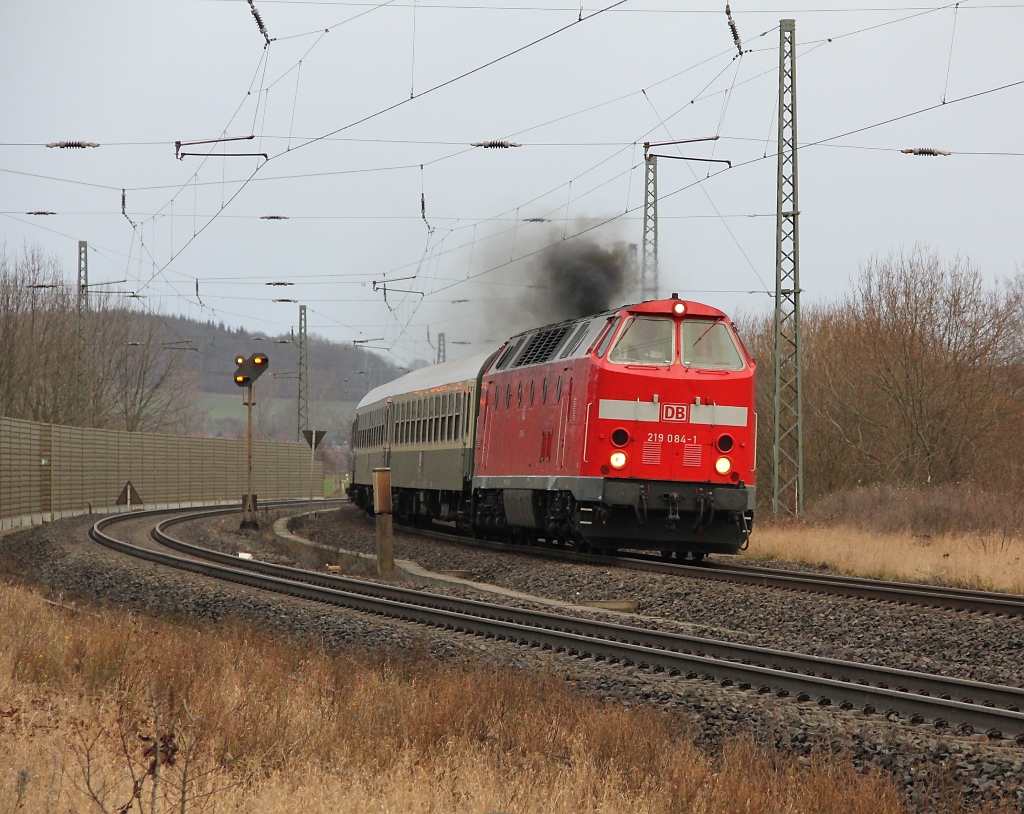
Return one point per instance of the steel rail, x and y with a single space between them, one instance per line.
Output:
916 697
903 593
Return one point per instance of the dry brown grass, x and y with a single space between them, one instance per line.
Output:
977 560
261 725
959 536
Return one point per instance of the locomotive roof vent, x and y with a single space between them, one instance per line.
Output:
542 346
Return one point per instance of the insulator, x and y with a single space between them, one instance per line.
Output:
257 18
76 145
41 212
122 202
734 29
273 217
924 151
494 144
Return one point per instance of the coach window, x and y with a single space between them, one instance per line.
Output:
519 398
645 341
708 345
532 383
508 394
558 391
544 392
608 337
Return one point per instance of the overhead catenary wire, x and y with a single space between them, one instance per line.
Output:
949 62
401 103
631 165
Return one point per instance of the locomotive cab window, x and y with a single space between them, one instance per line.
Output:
708 345
645 341
613 326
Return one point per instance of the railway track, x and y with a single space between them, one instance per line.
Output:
902 593
944 703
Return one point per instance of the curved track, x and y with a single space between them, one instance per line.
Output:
966 706
903 593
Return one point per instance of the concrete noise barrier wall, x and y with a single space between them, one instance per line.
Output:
48 471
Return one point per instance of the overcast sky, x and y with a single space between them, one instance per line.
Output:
328 102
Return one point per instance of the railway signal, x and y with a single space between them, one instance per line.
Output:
313 438
246 374
249 370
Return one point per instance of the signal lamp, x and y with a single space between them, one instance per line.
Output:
249 370
725 442
617 460
679 309
723 465
620 437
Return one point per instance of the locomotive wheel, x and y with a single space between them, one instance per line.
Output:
666 555
697 556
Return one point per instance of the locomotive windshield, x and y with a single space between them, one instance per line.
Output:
709 345
645 341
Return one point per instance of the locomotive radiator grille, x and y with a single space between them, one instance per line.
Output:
691 455
651 454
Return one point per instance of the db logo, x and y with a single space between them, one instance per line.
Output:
673 412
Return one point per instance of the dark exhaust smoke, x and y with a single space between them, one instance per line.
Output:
579 277
551 280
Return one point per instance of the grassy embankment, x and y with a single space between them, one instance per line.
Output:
255 724
949 535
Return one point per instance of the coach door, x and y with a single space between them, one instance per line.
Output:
389 432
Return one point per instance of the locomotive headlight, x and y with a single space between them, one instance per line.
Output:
617 459
723 465
679 309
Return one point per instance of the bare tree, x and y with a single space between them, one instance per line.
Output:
914 377
927 369
134 382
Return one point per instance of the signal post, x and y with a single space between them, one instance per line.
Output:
246 374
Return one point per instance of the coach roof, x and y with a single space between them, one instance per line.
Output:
458 370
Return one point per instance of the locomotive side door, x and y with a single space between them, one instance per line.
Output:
566 418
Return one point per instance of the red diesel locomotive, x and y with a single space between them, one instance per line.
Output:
634 428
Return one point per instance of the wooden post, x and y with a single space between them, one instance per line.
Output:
312 461
385 528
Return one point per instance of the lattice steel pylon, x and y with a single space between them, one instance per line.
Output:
787 448
649 256
303 408
84 378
